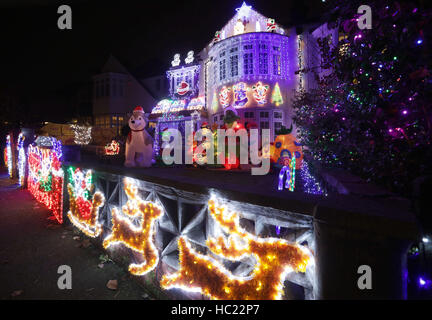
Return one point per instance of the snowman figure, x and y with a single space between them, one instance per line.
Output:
176 60
190 57
139 144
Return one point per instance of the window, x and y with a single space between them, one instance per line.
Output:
222 71
247 47
234 65
102 88
222 54
248 63
277 115
114 122
235 49
264 125
264 114
276 48
263 63
262 47
249 115
221 117
277 126
120 120
276 65
107 87
215 119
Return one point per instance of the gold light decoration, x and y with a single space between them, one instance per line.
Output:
201 273
139 239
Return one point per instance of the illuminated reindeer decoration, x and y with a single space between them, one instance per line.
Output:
201 273
139 239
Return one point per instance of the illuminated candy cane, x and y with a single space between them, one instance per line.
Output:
290 173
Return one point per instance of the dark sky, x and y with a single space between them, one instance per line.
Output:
39 62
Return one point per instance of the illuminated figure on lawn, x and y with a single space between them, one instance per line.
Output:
139 144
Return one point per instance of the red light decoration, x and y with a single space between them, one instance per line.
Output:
45 179
112 149
84 208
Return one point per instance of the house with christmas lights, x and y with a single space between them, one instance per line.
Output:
252 67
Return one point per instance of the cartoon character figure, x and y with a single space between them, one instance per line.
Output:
260 92
240 98
284 148
271 25
224 96
190 57
183 88
176 60
139 144
239 27
217 37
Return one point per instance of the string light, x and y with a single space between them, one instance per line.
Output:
139 239
22 160
200 273
260 92
45 178
9 157
82 134
83 213
290 173
112 149
310 184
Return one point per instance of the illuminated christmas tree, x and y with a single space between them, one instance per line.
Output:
372 114
276 97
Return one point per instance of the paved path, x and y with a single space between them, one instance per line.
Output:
32 247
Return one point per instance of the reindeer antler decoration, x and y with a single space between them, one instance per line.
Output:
275 258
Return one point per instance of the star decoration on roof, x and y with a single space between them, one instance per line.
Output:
244 10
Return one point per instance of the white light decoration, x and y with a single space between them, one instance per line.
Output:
190 57
176 61
82 134
9 155
239 27
257 26
22 160
244 10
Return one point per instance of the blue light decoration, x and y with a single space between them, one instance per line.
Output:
310 184
290 173
419 41
424 283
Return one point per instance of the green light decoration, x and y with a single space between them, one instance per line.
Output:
276 97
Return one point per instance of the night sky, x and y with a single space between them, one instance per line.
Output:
42 67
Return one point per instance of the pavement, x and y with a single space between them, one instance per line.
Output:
32 247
